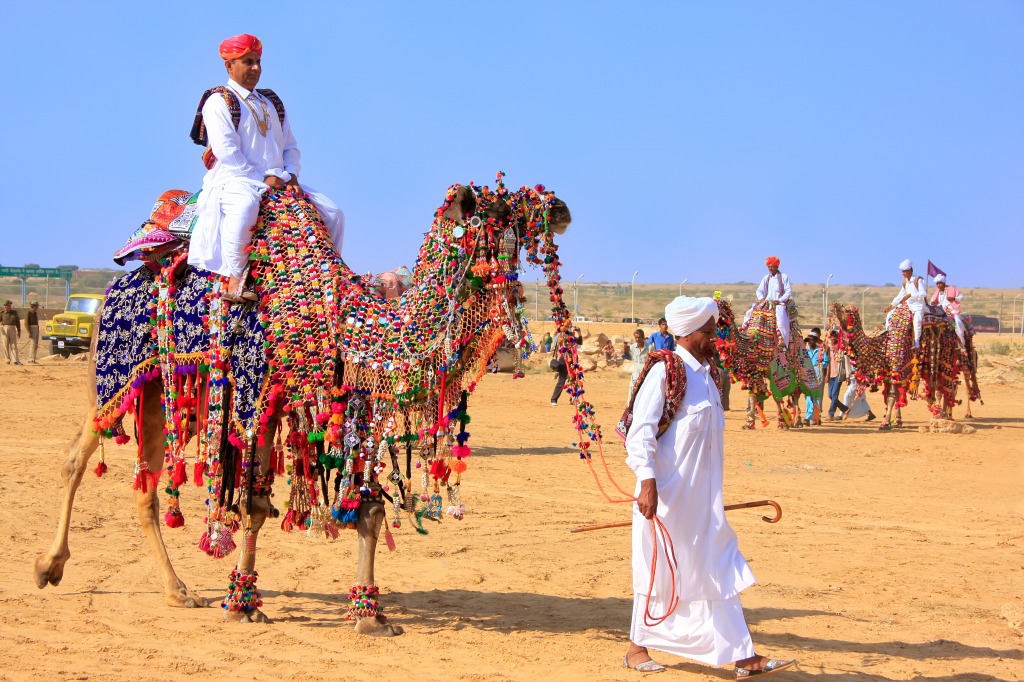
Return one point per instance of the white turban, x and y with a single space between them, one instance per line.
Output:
686 314
940 278
906 265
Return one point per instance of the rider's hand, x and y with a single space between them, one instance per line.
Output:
886 308
273 181
647 500
293 184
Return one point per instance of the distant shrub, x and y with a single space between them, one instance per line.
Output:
998 348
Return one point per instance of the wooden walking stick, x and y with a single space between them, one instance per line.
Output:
729 507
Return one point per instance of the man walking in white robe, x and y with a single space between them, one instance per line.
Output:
679 480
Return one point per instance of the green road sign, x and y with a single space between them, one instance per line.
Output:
35 272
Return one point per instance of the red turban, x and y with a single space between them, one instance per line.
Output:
772 261
237 46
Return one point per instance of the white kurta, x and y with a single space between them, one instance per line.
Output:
687 462
775 288
229 203
914 287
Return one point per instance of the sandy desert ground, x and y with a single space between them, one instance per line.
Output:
899 557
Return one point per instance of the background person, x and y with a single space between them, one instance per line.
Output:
911 293
776 289
662 339
837 373
10 328
32 325
948 298
638 351
812 405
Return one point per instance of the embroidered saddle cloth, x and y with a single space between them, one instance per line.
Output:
157 319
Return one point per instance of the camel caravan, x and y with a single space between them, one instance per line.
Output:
357 393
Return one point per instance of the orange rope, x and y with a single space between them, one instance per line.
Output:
658 532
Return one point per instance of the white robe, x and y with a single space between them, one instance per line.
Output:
857 405
775 288
915 288
229 203
687 462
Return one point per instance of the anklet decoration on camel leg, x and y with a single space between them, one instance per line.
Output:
363 602
243 595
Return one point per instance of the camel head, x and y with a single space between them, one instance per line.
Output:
846 317
487 229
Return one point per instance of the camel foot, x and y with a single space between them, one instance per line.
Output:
253 616
186 598
49 570
378 626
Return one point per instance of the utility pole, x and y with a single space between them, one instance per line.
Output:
536 303
632 307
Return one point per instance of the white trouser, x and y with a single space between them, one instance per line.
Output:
781 321
959 322
223 233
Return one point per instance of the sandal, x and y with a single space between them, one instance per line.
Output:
648 666
772 666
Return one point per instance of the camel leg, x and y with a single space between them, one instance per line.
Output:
890 404
371 517
252 523
49 567
147 503
751 412
783 419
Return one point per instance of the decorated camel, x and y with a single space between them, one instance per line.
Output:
324 371
887 358
766 368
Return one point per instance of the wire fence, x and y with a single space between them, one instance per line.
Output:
998 309
995 310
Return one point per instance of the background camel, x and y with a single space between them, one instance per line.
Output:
887 358
758 346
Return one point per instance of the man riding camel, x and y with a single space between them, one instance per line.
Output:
250 148
775 287
948 298
912 293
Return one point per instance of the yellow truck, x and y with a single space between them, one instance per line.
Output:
71 331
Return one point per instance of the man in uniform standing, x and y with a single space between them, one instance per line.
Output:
32 323
10 326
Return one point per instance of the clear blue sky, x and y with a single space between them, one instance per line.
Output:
690 139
